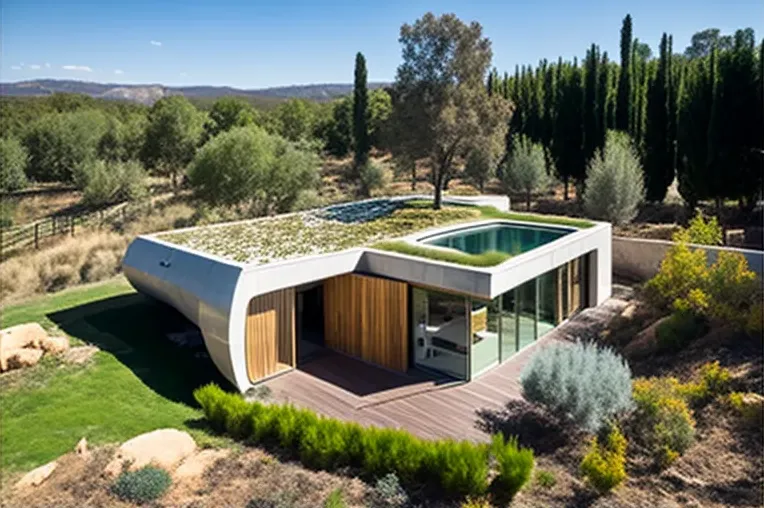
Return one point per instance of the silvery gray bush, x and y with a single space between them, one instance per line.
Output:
614 181
582 382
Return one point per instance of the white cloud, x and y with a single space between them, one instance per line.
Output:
118 71
15 67
83 68
35 66
156 43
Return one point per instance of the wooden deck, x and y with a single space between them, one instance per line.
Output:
348 389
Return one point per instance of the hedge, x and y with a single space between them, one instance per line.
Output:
459 468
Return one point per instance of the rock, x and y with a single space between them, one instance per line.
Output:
79 355
54 345
628 312
165 448
18 337
81 449
195 465
36 476
21 358
645 342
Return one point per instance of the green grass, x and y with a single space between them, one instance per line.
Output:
138 382
488 258
490 212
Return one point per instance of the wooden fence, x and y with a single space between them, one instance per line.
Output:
32 235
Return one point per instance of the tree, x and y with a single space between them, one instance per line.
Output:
481 164
173 133
443 108
59 142
338 133
593 132
567 142
13 162
380 109
614 182
123 139
248 166
295 119
624 102
105 182
360 113
704 41
526 169
659 160
227 113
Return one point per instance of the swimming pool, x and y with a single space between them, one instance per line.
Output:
513 239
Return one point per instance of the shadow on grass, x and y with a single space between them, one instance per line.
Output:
134 329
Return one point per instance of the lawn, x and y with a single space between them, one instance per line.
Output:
139 381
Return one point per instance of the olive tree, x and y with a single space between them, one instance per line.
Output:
441 108
248 166
105 182
615 181
525 171
13 161
227 113
173 133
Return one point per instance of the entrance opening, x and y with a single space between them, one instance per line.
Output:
310 322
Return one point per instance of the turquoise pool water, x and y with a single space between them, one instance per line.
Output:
509 238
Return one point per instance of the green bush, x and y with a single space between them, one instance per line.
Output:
700 231
604 466
546 479
663 417
142 486
335 500
678 330
13 162
458 468
371 177
515 464
388 492
105 182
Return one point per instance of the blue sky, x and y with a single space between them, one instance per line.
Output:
255 44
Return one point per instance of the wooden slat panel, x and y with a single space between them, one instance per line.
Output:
270 334
367 317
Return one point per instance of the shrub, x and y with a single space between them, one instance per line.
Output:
732 289
105 182
604 465
583 382
477 502
13 162
142 486
546 479
388 450
714 381
663 416
389 492
371 177
480 165
682 270
614 181
322 445
700 231
461 466
750 407
678 330
515 464
525 170
335 500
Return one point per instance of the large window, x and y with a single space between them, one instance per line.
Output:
441 338
485 327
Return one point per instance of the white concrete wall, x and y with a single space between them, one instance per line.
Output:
640 259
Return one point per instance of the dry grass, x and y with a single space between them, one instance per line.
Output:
35 206
85 258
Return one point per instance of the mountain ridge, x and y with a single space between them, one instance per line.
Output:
151 92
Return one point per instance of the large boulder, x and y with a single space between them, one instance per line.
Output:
18 337
195 465
36 476
645 342
55 345
165 448
20 358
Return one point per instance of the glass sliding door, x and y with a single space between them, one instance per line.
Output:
440 332
547 302
508 325
485 324
526 314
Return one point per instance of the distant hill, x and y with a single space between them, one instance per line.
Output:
150 93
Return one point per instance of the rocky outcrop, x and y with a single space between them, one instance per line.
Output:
23 346
21 358
54 345
36 476
165 448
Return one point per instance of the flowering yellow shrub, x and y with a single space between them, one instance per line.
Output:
732 289
604 466
682 270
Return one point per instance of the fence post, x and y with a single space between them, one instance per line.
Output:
54 226
36 235
72 224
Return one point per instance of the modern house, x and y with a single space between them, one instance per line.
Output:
269 292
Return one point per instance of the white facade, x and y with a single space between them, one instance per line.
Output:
214 293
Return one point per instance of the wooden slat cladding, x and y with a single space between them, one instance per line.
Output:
367 317
270 334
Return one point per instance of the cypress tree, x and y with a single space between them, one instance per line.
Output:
489 83
714 163
693 116
658 159
567 139
360 113
602 100
591 114
505 86
625 100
